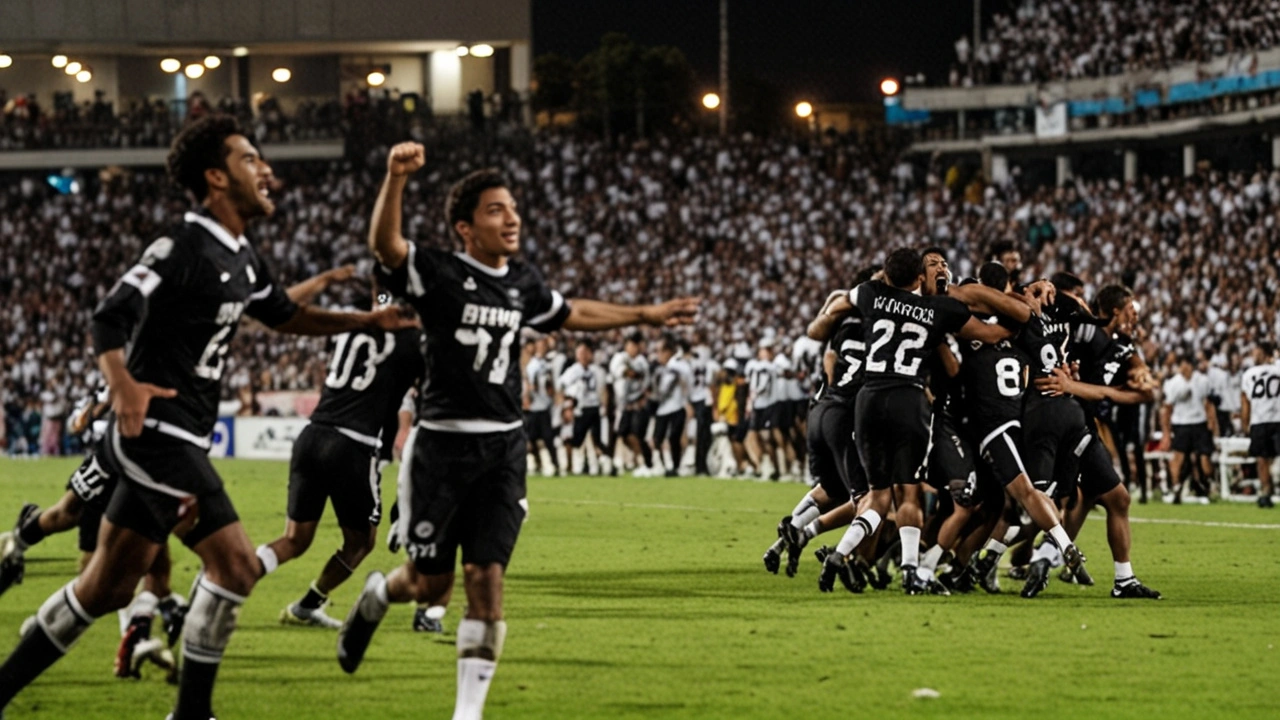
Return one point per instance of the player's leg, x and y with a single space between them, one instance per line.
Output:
702 438
661 429
1264 481
548 437
869 438
675 441
577 449
596 431
432 594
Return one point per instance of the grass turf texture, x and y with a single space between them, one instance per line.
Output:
646 598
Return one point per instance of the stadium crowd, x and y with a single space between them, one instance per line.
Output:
1048 41
762 228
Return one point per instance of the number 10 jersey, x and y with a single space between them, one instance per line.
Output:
472 315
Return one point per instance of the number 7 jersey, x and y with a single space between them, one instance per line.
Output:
902 330
472 315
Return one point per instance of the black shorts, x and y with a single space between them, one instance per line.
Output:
157 474
784 416
328 465
459 490
1055 434
951 457
833 454
537 426
763 418
892 433
800 410
1193 439
670 427
587 421
633 423
999 450
90 523
1264 440
738 433
1098 475
92 483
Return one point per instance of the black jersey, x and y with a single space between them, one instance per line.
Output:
472 315
369 373
902 330
994 379
851 354
1046 337
1104 357
177 310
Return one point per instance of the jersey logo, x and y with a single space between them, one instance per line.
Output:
469 284
224 276
253 277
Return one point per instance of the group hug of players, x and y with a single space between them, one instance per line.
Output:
983 393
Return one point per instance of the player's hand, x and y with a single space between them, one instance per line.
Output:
339 274
1043 290
671 313
1058 383
392 318
406 158
130 401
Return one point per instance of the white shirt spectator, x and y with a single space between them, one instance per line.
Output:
674 384
761 375
1261 383
583 385
1187 398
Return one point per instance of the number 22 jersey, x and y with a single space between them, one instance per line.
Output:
472 315
902 330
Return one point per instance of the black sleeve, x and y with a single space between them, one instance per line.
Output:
269 302
545 309
160 272
954 315
414 276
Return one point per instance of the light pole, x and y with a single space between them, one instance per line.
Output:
724 67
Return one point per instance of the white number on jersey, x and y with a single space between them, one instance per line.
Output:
344 359
851 351
886 329
481 339
1009 377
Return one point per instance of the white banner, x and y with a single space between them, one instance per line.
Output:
266 438
1053 121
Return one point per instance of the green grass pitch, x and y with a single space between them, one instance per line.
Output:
646 598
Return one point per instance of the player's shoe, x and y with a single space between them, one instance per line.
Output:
357 632
295 614
1018 572
1265 501
423 623
1037 578
13 566
772 560
1133 588
912 584
393 529
139 630
822 553
1073 558
984 572
1081 576
872 574
173 614
959 579
837 566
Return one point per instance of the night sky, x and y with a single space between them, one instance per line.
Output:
821 50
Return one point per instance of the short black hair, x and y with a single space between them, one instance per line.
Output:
1001 247
933 250
902 267
864 275
994 275
1267 347
1064 281
587 343
464 197
636 337
669 344
1110 299
201 146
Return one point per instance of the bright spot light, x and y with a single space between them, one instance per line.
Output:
463 51
711 101
84 76
59 61
240 51
889 86
375 78
212 62
170 65
194 70
5 61
281 75
72 68
482 51
803 109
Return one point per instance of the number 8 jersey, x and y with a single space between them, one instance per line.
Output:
901 330
472 315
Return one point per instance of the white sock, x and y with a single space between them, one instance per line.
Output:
929 563
806 516
1124 571
1011 533
1060 536
268 557
813 529
862 526
380 591
436 612
474 677
995 546
910 538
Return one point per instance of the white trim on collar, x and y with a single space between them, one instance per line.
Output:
492 272
215 229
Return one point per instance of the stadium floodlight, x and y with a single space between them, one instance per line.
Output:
804 109
240 51
72 68
5 61
889 86
463 51
84 76
711 101
281 75
194 70
375 78
212 62
59 61
482 51
170 65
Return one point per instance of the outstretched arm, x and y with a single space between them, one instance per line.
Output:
388 245
311 320
307 290
833 310
1061 383
982 299
598 315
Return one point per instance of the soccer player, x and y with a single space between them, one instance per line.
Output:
629 370
762 375
336 457
1260 414
177 310
585 389
539 394
674 381
705 393
1189 422
465 487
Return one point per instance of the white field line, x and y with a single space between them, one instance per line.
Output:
1092 516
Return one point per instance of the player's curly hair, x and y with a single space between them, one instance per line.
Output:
200 146
464 196
902 267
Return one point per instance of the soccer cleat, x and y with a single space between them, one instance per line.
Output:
422 623
1073 558
1081 576
772 560
1133 588
793 560
13 566
295 614
357 632
984 572
822 553
1265 501
173 614
139 630
959 579
912 584
393 528
837 566
1037 578
875 577
1018 572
